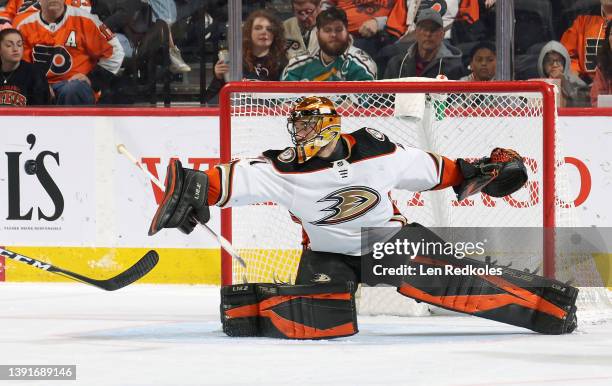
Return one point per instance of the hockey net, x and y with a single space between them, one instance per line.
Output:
454 119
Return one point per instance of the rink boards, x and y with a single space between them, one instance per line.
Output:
88 209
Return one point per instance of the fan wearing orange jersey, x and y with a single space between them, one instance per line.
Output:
8 10
79 53
584 38
13 11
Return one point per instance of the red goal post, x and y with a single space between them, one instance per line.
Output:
545 92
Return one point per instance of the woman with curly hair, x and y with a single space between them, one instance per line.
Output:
263 51
602 84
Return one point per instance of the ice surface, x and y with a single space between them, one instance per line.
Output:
171 335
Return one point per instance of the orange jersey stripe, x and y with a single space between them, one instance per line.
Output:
214 186
448 170
451 174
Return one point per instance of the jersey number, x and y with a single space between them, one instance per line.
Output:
56 59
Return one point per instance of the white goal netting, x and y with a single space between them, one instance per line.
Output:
446 121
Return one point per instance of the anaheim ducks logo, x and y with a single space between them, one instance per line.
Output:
287 156
348 204
376 134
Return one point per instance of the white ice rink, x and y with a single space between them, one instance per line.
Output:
171 335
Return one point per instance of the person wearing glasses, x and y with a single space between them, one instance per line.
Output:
301 29
554 63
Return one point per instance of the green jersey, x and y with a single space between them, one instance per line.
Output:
353 64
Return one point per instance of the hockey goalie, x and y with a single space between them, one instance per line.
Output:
336 184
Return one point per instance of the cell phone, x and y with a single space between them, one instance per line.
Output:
224 55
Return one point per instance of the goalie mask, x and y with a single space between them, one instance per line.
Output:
313 124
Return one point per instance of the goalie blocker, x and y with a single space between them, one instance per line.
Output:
289 311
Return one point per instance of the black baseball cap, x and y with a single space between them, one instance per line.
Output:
330 15
430 14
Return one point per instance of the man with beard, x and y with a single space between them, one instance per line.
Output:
336 59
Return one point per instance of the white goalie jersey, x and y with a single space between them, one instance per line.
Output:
334 200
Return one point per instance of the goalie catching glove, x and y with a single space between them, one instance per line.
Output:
185 200
499 175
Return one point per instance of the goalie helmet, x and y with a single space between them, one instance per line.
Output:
313 124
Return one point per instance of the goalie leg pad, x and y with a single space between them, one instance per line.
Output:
319 311
239 310
515 297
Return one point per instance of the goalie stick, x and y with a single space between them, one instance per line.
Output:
130 275
225 244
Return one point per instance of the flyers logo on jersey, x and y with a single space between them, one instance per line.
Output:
56 59
348 204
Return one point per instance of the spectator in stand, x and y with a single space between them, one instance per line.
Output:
301 30
13 11
366 22
81 55
8 10
602 84
401 22
401 26
554 63
337 59
584 38
263 47
475 22
21 83
166 10
427 56
483 63
125 18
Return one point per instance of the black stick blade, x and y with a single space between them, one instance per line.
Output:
132 274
